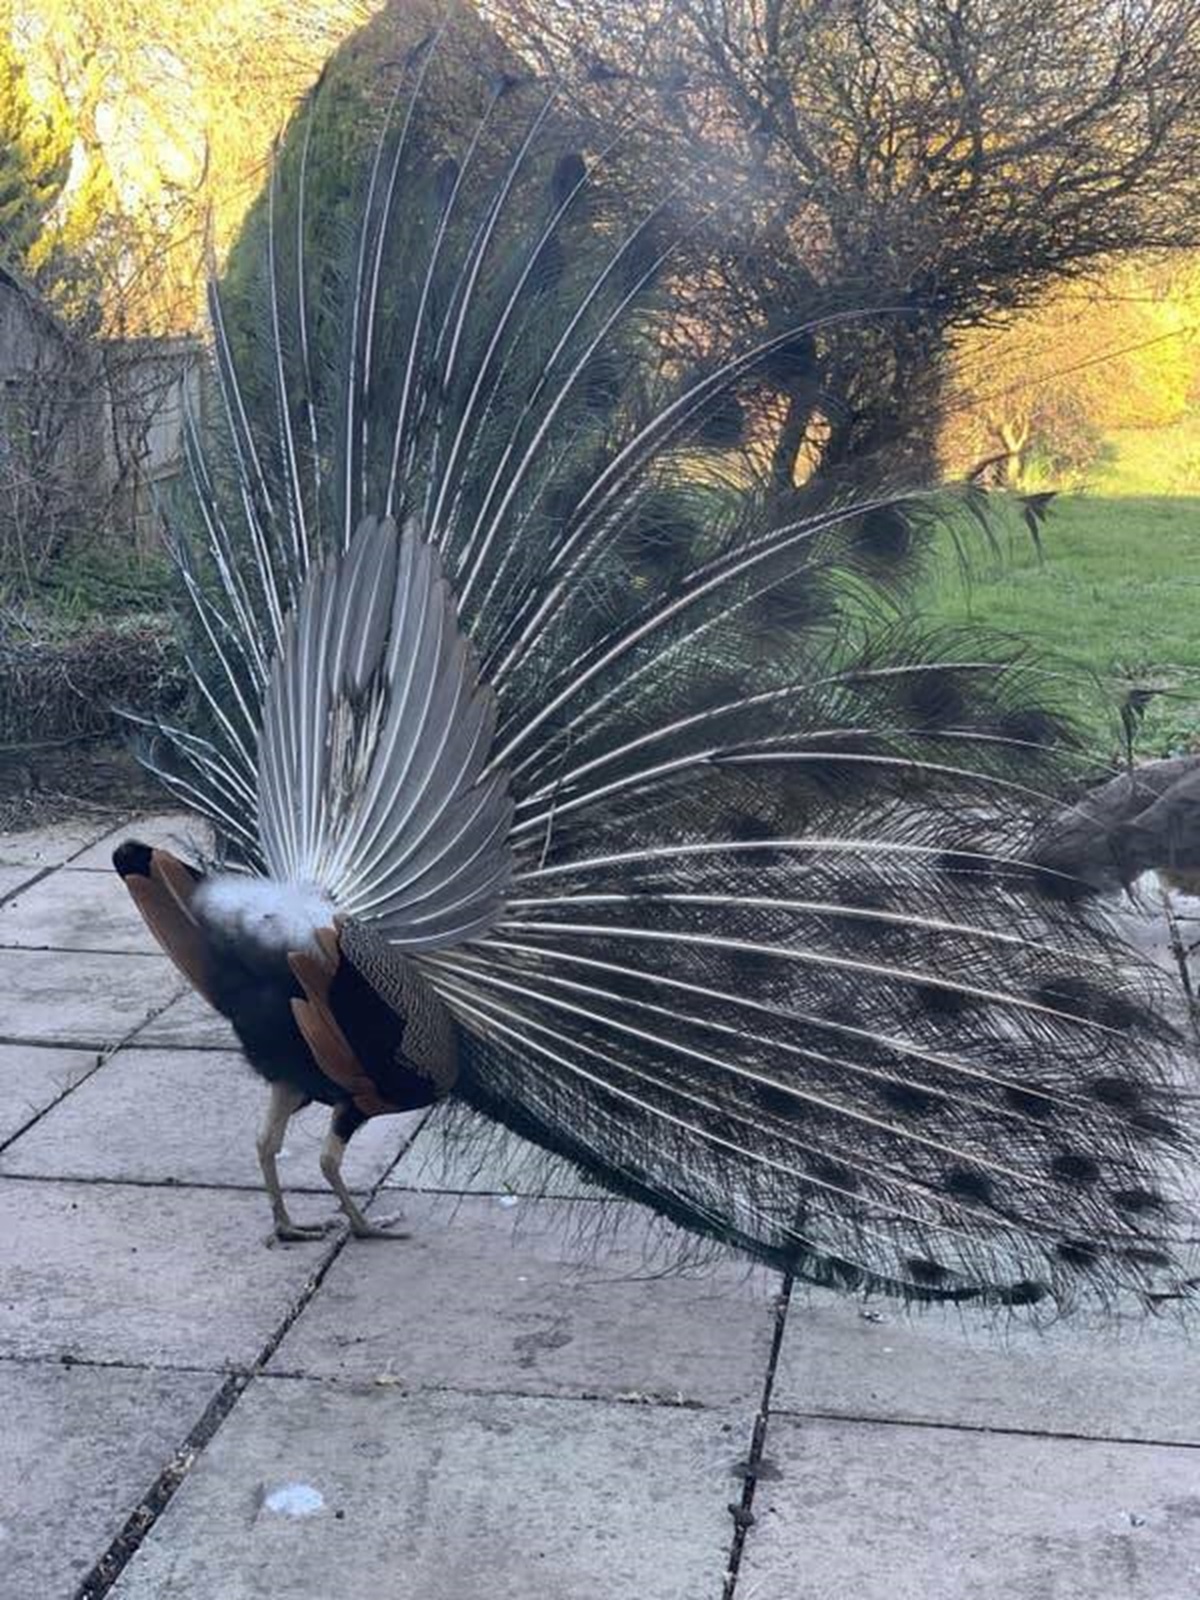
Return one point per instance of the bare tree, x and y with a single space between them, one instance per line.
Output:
166 118
88 427
941 161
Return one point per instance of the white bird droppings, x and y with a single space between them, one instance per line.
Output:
295 1500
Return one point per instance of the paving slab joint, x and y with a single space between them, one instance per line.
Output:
992 1430
104 1053
155 1501
100 1580
742 1511
36 874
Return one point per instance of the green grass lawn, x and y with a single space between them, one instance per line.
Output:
1115 595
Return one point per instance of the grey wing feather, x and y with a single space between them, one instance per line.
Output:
375 737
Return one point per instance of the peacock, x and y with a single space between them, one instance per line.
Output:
562 763
1142 820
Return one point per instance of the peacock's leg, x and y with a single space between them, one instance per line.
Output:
345 1122
285 1102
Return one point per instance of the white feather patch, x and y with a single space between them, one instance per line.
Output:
276 916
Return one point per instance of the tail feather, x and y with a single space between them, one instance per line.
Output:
375 732
936 1104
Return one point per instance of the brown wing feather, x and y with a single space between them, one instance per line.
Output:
315 1019
164 900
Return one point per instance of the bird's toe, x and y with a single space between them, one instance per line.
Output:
300 1232
380 1228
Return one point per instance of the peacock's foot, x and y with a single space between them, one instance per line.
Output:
286 1231
378 1227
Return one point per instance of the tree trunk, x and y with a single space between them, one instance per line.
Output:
791 437
1014 436
887 433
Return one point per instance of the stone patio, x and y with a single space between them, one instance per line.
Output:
518 1401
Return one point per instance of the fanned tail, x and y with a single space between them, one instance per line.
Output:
871 1056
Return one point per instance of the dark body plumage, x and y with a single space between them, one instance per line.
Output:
257 985
577 744
254 987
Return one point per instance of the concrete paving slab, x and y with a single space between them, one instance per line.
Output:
32 1078
13 879
65 997
898 1513
188 1023
1186 906
75 911
1145 925
53 844
179 831
446 1497
190 1116
1115 1378
461 1154
530 1299
78 1449
165 1277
